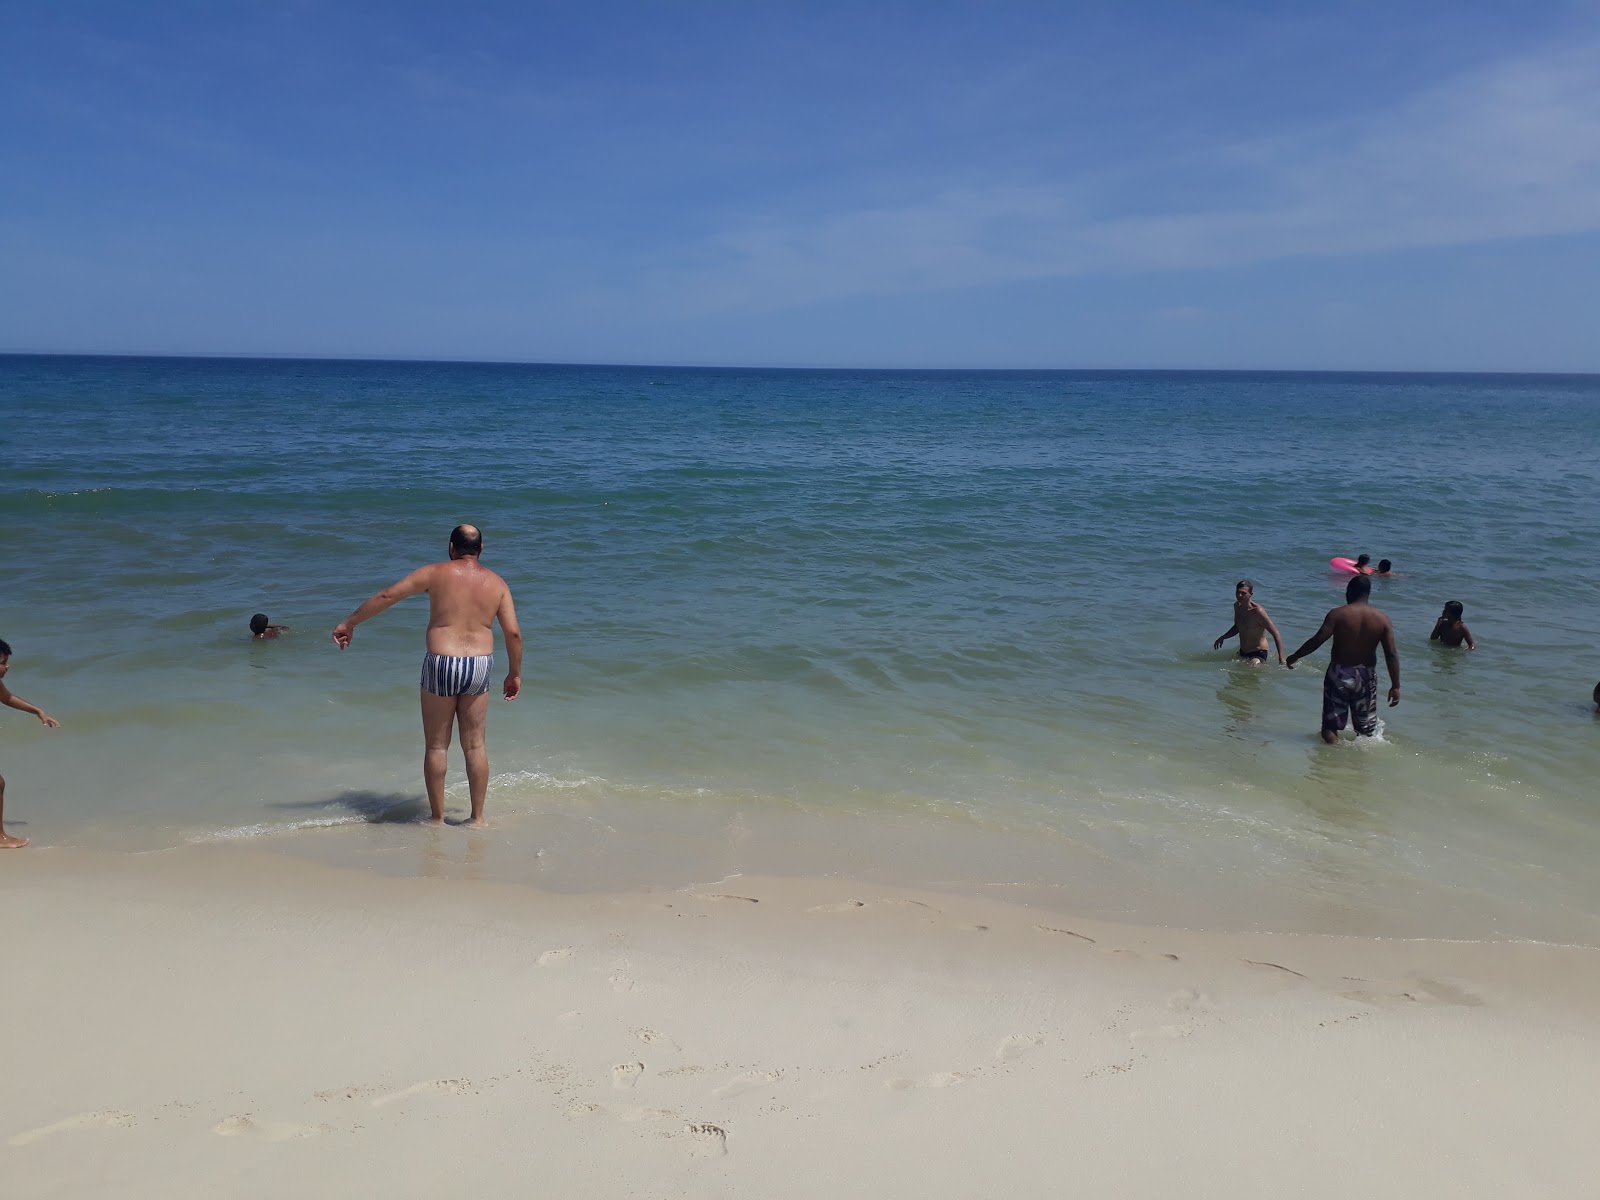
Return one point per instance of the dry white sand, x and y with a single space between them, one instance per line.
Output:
222 1023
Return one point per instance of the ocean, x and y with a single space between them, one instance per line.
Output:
945 628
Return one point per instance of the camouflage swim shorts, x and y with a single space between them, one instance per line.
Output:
1353 690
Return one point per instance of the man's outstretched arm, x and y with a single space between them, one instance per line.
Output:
1313 642
411 585
1391 659
512 632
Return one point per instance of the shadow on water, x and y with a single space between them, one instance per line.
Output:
376 808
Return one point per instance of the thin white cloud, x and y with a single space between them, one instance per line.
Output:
1509 151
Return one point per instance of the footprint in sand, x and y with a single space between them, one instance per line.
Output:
560 954
358 1092
943 1079
454 1087
651 1038
747 1081
108 1118
1448 993
626 1075
1082 937
1162 1032
1423 991
1186 999
709 1141
1116 952
688 1070
620 983
247 1125
842 906
1015 1046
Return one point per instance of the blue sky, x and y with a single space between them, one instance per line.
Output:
1401 185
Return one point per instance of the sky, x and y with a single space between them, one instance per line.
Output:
1401 185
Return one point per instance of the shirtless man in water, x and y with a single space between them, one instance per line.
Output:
1251 623
465 599
1351 683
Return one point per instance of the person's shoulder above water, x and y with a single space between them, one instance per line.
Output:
262 630
1450 629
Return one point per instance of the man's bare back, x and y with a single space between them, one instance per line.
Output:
464 597
1358 630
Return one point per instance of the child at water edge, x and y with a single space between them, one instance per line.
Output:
260 631
7 842
1450 629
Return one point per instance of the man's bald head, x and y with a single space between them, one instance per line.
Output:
465 539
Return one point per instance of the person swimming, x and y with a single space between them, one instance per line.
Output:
261 630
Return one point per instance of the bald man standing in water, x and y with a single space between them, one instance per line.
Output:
465 599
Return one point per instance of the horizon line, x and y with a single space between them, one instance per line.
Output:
692 366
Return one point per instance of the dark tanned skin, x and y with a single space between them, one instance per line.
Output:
1357 630
7 698
1452 631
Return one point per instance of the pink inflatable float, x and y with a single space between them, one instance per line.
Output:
1345 566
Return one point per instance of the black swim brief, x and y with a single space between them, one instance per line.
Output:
1259 656
1353 690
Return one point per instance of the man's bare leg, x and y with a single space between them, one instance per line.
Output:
472 718
438 715
7 842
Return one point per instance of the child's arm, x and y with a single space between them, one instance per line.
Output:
1438 629
1467 633
21 705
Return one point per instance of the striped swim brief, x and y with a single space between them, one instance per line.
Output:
456 675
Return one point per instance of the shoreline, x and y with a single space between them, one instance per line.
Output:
626 843
255 1025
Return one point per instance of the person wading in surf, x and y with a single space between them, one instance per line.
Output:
1350 686
1251 623
465 599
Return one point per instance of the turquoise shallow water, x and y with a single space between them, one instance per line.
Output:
969 604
